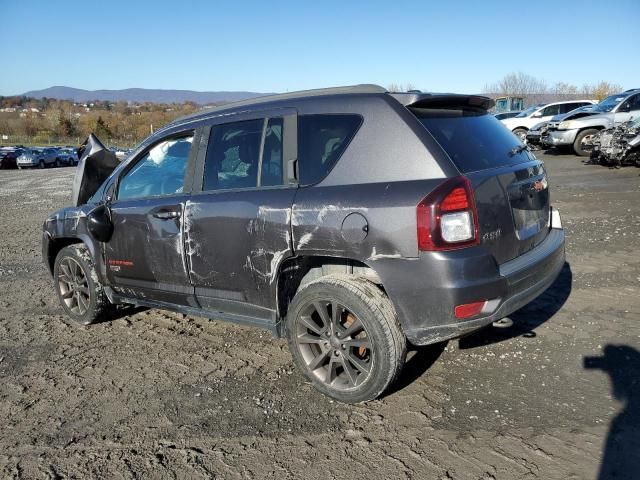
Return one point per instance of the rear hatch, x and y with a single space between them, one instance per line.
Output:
510 185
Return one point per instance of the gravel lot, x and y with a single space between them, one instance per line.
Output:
160 395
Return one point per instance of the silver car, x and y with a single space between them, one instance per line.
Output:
38 157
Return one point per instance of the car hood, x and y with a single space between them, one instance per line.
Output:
94 166
605 119
569 115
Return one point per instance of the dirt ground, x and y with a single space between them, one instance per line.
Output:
160 395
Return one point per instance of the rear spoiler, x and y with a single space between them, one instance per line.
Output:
443 100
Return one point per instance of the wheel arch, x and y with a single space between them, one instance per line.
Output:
299 270
55 244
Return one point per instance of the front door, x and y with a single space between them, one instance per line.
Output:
145 256
237 228
629 110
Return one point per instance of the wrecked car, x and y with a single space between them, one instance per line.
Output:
351 221
618 146
539 131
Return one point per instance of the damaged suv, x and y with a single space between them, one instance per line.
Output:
352 220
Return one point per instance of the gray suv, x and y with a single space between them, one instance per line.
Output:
352 221
38 157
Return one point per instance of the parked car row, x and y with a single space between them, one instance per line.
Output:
37 157
573 124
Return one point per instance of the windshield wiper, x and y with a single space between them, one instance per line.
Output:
517 150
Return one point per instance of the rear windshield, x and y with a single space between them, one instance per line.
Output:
473 139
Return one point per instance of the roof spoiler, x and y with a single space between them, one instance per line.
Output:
443 100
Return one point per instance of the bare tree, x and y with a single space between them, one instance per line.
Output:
600 90
399 87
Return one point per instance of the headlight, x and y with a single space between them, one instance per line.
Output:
568 125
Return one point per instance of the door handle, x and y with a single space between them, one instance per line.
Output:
167 214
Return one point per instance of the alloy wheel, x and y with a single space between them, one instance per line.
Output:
74 286
334 344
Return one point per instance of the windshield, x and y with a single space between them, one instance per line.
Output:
528 111
608 103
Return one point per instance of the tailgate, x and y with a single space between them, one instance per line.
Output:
510 185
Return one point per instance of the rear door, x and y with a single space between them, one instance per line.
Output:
145 255
237 223
510 185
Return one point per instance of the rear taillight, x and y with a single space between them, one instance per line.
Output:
447 218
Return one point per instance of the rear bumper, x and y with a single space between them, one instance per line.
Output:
514 283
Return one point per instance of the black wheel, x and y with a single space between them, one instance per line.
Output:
80 292
344 336
582 144
41 164
521 133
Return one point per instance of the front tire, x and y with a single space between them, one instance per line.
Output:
345 337
579 143
521 133
76 282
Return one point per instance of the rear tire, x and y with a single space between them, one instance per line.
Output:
345 337
41 164
79 290
578 144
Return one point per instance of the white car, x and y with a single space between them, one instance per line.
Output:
522 123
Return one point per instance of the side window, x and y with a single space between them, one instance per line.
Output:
272 171
158 172
635 102
567 107
551 110
322 139
233 155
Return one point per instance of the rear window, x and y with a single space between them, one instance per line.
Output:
473 139
322 139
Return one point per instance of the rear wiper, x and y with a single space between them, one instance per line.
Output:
516 150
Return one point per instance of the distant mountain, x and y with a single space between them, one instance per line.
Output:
141 95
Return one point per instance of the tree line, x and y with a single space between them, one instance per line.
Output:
535 90
52 121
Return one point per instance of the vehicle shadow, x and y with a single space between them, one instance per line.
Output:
121 311
529 317
621 457
419 360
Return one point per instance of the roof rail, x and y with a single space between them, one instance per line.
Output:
351 89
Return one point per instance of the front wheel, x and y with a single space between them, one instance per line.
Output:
521 133
76 282
344 336
582 144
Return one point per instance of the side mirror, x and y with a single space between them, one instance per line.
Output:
99 223
537 115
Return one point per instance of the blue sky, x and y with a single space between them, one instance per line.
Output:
276 46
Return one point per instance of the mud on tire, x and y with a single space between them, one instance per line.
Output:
77 285
345 337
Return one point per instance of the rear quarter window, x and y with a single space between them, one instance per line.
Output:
322 139
474 139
